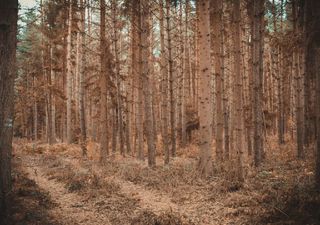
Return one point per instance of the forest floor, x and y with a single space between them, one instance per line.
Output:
55 185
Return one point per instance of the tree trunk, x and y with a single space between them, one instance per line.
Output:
205 98
171 81
82 61
164 88
218 42
258 29
104 48
8 41
238 116
69 76
140 126
145 51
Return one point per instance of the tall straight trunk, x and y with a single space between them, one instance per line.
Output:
35 111
140 127
69 76
8 42
258 79
53 99
312 67
171 81
218 42
134 70
205 98
164 88
118 78
146 78
281 116
104 47
186 78
238 118
82 61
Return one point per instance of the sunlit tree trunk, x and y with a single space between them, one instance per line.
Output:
205 98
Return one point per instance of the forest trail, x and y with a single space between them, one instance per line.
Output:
128 192
71 208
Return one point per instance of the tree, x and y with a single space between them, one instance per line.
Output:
258 30
238 120
205 101
146 79
164 87
69 75
104 47
218 67
171 81
82 61
8 42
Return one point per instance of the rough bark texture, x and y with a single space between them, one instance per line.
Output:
205 98
82 81
164 89
146 78
69 77
258 8
312 60
171 81
8 31
218 68
104 150
238 118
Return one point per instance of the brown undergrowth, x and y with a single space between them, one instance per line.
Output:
29 205
278 192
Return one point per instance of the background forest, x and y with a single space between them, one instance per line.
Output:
188 93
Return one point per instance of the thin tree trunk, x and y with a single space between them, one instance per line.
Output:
69 76
82 61
104 47
171 81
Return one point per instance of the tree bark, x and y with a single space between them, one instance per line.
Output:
146 78
8 42
258 29
171 81
69 76
205 98
104 48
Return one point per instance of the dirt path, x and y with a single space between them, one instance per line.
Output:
72 209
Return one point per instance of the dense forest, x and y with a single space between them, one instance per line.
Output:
160 112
